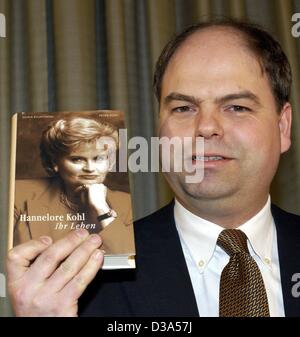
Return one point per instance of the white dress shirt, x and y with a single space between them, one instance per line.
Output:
206 260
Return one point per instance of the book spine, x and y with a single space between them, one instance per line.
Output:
12 179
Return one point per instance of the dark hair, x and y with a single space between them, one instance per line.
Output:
66 134
272 59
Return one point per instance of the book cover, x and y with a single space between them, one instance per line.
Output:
65 175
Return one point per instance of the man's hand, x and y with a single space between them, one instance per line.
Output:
46 279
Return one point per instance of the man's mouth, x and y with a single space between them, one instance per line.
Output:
207 158
210 160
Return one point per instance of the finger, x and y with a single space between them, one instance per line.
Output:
82 191
73 264
83 195
20 257
48 261
78 284
80 188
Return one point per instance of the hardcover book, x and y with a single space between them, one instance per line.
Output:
65 175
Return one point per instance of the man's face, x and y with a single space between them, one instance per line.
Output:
214 88
87 164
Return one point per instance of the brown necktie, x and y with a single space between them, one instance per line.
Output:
242 289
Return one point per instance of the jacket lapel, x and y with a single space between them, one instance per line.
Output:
288 239
161 274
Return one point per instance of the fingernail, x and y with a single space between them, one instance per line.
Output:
46 240
81 232
97 254
94 238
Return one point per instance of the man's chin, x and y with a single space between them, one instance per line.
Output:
203 191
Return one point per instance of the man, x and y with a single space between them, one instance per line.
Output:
228 83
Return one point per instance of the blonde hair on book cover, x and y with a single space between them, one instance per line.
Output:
65 134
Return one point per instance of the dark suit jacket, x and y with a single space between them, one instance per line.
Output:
161 286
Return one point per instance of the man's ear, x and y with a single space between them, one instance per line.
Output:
285 123
55 168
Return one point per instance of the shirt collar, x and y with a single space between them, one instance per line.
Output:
200 236
260 232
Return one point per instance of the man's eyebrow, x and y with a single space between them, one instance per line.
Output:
239 95
176 96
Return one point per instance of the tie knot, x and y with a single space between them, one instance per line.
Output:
233 241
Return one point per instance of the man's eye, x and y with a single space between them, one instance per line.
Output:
184 108
238 108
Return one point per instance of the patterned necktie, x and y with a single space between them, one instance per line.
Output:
242 290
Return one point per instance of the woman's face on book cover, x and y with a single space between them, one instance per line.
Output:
87 164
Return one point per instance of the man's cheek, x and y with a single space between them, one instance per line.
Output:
248 139
167 129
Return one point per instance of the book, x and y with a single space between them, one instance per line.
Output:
65 175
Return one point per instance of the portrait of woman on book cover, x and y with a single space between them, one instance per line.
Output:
77 153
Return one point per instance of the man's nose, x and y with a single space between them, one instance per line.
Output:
208 125
89 166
